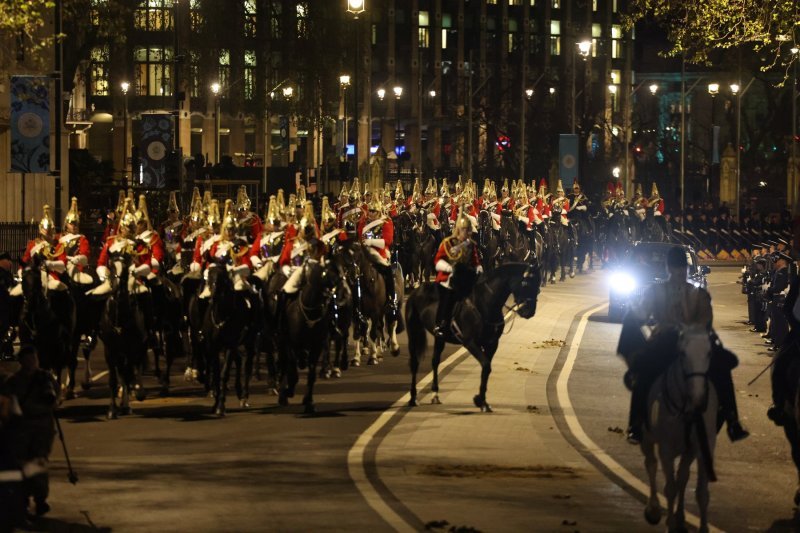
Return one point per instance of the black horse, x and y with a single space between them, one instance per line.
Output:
229 329
585 231
303 335
488 243
479 319
123 331
340 315
170 326
47 321
87 323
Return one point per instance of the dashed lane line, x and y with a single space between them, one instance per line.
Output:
580 435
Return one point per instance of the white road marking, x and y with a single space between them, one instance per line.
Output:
100 375
577 430
355 457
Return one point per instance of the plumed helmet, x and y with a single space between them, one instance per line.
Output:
281 201
654 191
375 204
307 222
560 188
128 218
355 191
289 209
46 225
327 215
207 200
229 221
120 203
273 212
398 191
213 218
619 190
492 192
576 187
487 188
345 192
444 192
73 215
141 213
172 205
459 186
243 202
301 196
505 188
638 189
197 213
462 222
610 189
367 190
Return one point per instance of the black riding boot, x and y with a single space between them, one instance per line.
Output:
391 295
638 408
444 311
780 370
723 382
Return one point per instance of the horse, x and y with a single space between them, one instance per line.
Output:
304 332
228 327
372 305
340 315
406 248
618 236
487 241
682 422
169 326
479 319
515 247
124 334
47 320
88 311
8 317
585 230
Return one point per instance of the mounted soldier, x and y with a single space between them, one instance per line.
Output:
343 203
507 202
195 228
122 242
231 250
301 246
639 203
620 202
331 231
543 201
377 235
203 244
673 306
266 250
248 222
112 218
458 249
561 205
47 253
76 247
171 232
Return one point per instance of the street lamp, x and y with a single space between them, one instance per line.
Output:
355 8
653 88
288 92
344 82
125 86
432 93
713 90
215 89
583 48
793 184
398 92
381 94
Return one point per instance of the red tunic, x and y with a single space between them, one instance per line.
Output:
442 254
239 259
387 234
79 245
61 255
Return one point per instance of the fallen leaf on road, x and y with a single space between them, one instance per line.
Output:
569 523
533 409
549 343
616 429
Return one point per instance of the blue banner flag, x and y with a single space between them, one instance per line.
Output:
568 159
30 124
155 145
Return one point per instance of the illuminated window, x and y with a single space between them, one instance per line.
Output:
491 2
224 67
99 71
153 15
194 73
614 6
250 18
555 37
556 4
153 70
302 19
195 15
616 77
447 20
594 5
616 41
275 28
444 39
512 34
596 33
98 6
249 74
424 18
515 2
424 33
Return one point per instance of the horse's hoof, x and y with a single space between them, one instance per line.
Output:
413 402
127 411
111 415
477 400
187 375
140 393
395 350
243 403
372 361
283 400
86 385
486 408
69 395
310 409
272 391
652 515
355 362
572 274
220 412
435 400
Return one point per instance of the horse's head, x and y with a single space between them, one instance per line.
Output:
695 348
31 283
526 290
219 282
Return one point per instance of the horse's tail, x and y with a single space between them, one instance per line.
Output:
417 337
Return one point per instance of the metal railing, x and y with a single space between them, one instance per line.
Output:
14 237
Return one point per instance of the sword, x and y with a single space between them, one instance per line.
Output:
761 373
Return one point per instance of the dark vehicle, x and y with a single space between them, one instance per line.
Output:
645 264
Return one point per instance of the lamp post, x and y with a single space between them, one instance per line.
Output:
398 93
355 8
344 83
528 94
583 48
794 207
626 128
713 90
125 86
215 89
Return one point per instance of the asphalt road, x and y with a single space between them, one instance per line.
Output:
172 466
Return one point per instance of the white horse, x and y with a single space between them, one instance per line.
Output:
682 423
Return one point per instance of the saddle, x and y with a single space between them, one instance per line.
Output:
462 306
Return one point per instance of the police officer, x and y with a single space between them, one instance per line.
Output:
31 435
776 295
784 368
672 305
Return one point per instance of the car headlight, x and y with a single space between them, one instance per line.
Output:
622 283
